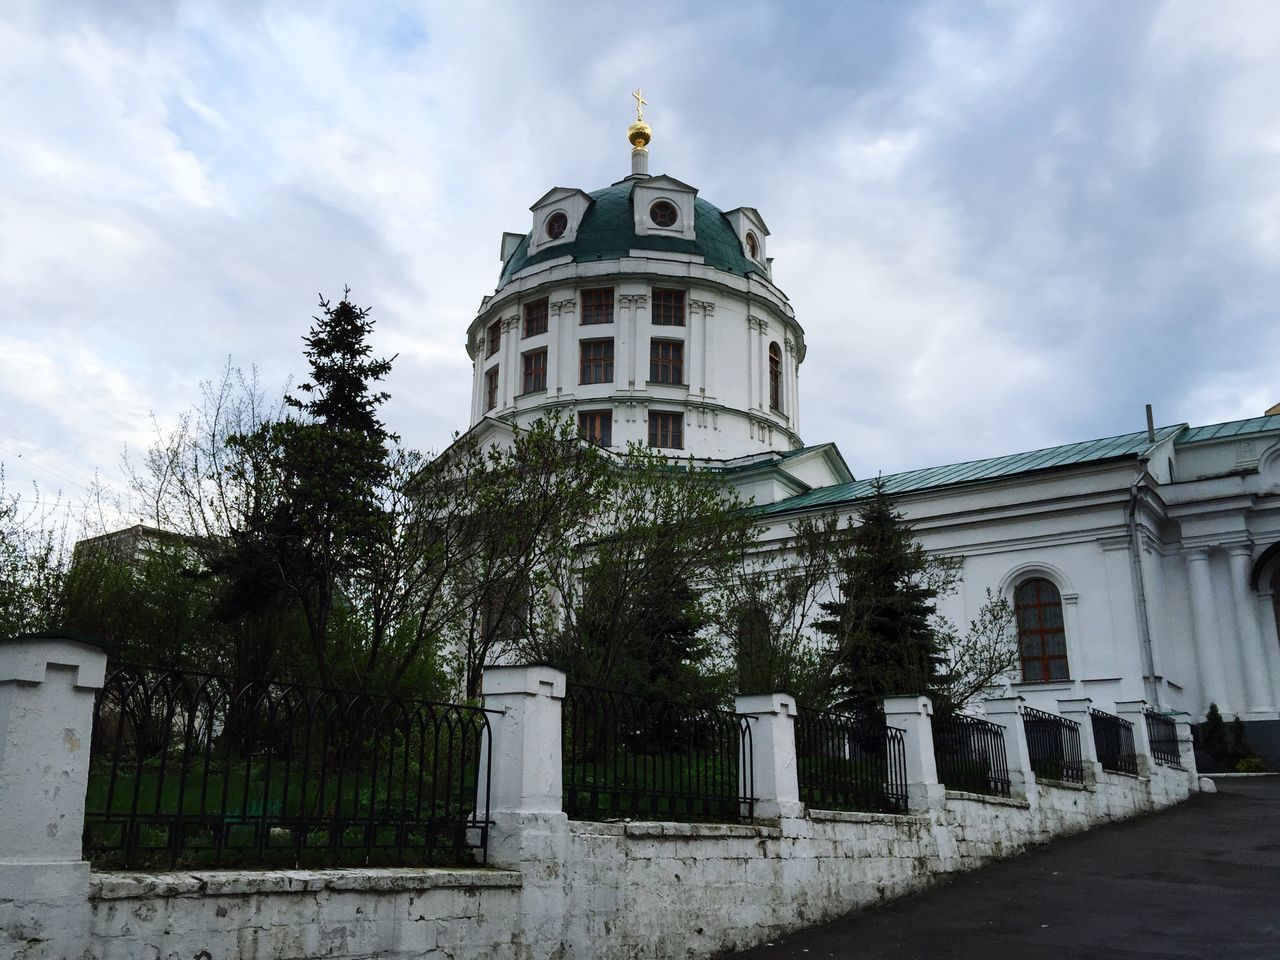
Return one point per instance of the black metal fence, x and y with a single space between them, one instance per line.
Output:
850 763
198 769
626 757
1054 745
970 754
1113 740
1163 734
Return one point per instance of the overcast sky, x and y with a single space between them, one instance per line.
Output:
1003 226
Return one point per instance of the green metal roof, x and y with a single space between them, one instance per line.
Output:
1233 428
976 471
608 232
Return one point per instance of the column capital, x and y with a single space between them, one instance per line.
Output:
1002 706
1196 552
759 704
568 305
532 681
26 658
910 704
1239 549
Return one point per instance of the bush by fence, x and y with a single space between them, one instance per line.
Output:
197 769
850 763
626 757
970 754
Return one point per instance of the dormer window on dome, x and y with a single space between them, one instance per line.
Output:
751 231
664 207
556 218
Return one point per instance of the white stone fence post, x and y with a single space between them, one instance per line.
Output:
47 689
1007 712
1135 712
912 714
772 719
525 786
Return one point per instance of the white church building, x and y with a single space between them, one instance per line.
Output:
1142 566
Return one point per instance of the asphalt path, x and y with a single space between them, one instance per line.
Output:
1201 880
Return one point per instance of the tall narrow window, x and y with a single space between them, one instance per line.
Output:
666 430
1041 637
535 371
491 388
597 305
666 361
668 307
775 376
596 361
535 317
493 338
596 426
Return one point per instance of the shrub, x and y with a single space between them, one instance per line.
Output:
1251 764
1213 734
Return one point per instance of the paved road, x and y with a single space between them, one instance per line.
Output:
1202 881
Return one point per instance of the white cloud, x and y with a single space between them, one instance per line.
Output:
1002 227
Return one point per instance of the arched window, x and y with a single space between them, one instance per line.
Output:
753 248
775 376
1041 638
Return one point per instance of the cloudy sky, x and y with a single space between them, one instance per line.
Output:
1003 225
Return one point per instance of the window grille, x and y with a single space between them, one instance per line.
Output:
666 361
491 388
596 426
666 430
535 317
1041 637
668 307
596 361
597 306
535 371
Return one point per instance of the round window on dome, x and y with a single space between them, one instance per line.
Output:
557 224
664 214
753 247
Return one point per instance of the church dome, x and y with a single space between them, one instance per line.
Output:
608 232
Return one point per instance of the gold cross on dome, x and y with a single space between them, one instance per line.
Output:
640 102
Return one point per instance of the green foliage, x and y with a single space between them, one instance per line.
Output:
883 640
766 604
625 604
1240 749
1213 734
141 591
33 561
1250 764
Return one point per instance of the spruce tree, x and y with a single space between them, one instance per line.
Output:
881 639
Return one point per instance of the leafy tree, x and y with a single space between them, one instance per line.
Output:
972 662
33 561
516 507
880 627
625 600
767 603
330 469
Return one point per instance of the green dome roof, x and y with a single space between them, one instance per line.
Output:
608 232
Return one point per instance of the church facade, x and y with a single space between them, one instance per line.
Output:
1144 566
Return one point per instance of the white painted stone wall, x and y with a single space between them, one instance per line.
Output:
555 888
